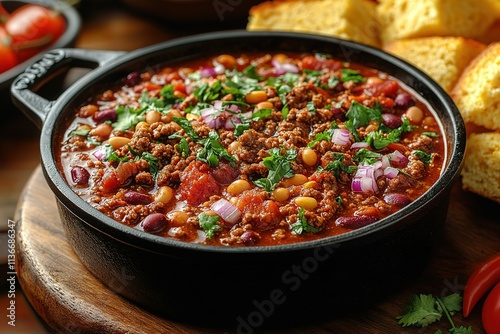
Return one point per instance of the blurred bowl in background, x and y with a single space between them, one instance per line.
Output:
217 12
73 23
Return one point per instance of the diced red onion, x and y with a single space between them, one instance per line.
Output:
359 144
365 179
207 72
282 68
231 123
99 154
227 211
219 68
398 157
391 172
385 162
341 137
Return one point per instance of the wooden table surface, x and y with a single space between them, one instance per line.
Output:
472 230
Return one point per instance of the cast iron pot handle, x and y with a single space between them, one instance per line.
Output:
24 86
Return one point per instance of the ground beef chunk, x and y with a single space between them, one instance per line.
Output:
423 143
163 130
300 96
251 143
415 168
141 140
189 101
145 179
131 215
328 205
400 183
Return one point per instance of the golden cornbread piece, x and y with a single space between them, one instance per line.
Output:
443 58
350 19
481 172
477 92
402 19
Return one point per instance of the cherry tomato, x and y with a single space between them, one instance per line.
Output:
33 28
7 55
491 311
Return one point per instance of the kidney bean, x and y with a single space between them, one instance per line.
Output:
249 238
153 223
404 101
80 176
355 221
399 200
392 121
105 115
134 197
132 79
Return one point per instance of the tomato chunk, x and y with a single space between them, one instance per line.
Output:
262 213
197 185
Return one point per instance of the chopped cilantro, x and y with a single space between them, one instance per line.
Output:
279 167
424 310
361 115
240 84
301 225
110 154
364 156
251 72
81 132
209 224
379 140
336 166
333 81
310 107
183 146
127 118
430 134
285 111
352 75
240 128
205 92
325 135
213 151
424 157
261 114
152 163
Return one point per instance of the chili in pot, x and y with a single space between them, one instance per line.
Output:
253 149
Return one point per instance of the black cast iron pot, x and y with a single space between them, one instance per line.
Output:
251 286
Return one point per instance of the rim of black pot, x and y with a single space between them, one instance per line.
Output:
159 244
73 24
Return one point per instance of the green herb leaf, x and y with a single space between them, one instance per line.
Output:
310 107
453 303
364 156
152 163
251 72
83 133
421 311
361 115
183 146
424 157
187 127
261 114
301 225
431 134
206 93
336 166
209 224
240 128
279 167
213 151
461 330
127 118
352 75
111 154
325 135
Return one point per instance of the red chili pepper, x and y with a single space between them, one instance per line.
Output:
491 311
485 276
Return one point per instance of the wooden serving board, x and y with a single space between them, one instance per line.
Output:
71 300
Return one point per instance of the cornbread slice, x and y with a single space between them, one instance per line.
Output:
443 58
492 34
350 19
481 172
402 19
477 92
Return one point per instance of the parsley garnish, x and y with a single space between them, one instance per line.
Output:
209 224
240 128
378 140
127 118
83 133
261 114
279 167
251 72
302 225
205 93
325 135
424 310
152 162
336 166
424 157
430 134
364 156
310 107
182 147
111 154
359 115
212 150
351 75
